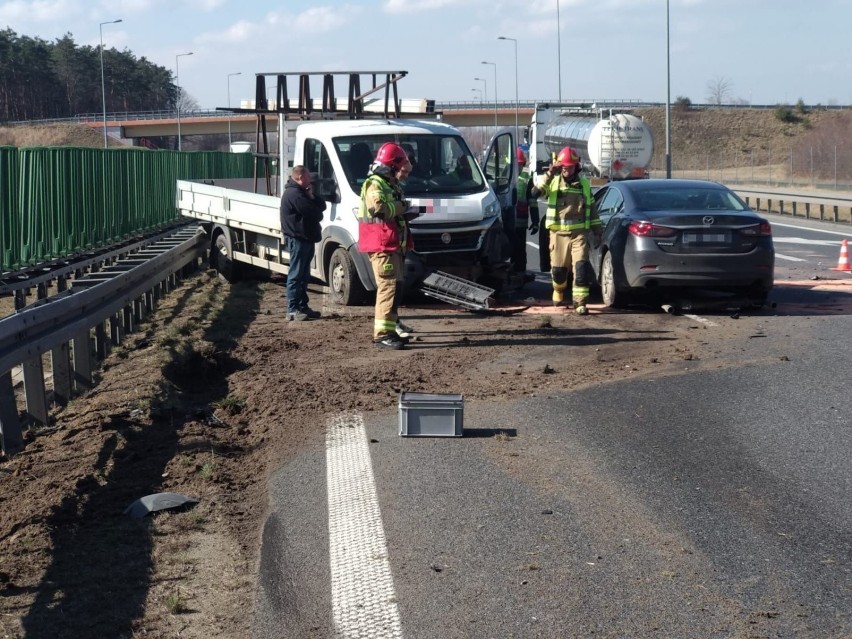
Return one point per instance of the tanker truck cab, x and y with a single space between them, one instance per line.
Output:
459 229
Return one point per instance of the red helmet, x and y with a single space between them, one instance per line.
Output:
519 153
568 157
392 155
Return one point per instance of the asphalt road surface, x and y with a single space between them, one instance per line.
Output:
712 503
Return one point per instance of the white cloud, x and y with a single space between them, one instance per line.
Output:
412 6
321 20
311 22
39 11
128 6
207 5
238 33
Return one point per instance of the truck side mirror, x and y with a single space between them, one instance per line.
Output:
328 190
334 197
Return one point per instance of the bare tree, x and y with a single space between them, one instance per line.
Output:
719 90
187 102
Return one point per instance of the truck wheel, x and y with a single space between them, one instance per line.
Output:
343 281
220 258
612 298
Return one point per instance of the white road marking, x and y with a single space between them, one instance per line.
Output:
789 258
807 228
802 240
363 599
703 320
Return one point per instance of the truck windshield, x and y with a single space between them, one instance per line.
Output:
441 164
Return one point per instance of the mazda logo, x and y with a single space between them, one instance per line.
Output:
708 220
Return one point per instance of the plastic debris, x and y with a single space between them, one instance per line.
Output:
158 501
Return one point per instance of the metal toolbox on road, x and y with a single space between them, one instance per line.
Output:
431 415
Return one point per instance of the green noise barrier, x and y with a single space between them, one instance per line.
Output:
59 201
10 248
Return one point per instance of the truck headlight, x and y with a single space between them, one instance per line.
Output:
492 207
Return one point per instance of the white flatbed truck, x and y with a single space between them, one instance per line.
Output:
459 232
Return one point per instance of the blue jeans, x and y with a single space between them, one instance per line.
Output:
301 254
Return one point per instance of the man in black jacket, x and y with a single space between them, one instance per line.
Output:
301 214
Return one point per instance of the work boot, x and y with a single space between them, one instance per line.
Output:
403 330
580 309
558 297
392 342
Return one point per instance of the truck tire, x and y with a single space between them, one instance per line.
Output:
343 281
612 297
220 258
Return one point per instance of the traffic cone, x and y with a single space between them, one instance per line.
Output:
843 261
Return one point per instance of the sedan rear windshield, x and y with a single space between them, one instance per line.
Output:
441 164
691 199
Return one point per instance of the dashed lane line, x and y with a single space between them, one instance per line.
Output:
698 318
789 258
362 593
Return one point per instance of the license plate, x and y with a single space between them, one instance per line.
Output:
706 238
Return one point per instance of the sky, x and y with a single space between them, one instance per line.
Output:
762 51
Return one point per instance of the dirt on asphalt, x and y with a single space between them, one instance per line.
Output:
215 392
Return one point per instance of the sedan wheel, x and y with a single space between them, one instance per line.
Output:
611 297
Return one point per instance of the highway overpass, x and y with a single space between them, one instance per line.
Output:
141 125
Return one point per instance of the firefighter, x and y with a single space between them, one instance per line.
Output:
383 234
526 214
570 216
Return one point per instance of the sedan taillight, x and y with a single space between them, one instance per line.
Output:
649 229
764 229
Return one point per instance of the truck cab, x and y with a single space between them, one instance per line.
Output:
460 230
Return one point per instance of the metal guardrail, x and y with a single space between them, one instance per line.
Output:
120 295
821 206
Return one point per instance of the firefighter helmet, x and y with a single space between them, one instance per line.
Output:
522 158
392 155
568 157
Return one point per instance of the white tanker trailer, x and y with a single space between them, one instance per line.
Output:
614 146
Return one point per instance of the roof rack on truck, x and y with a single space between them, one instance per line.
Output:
359 104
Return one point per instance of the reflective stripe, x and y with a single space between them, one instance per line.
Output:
580 294
387 196
384 325
523 178
584 191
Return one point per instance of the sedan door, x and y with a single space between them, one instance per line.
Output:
609 202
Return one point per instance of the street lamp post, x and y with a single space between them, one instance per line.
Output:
494 64
103 84
668 100
484 88
229 106
177 79
517 102
559 51
479 91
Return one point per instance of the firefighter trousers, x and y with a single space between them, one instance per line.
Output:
388 272
569 261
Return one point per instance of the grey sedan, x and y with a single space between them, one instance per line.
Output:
669 239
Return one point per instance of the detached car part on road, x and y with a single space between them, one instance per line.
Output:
667 238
